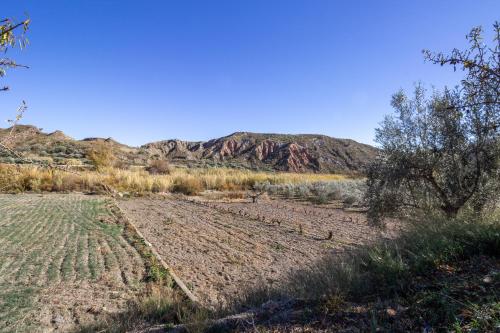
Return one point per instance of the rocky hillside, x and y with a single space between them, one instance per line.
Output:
294 153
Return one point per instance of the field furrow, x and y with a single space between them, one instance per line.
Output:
220 248
51 245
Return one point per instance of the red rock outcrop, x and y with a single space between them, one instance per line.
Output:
266 149
295 153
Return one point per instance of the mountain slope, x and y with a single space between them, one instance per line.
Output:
294 153
280 152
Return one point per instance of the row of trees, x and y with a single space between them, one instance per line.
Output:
442 151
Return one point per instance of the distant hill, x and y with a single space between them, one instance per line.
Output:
57 147
280 152
295 153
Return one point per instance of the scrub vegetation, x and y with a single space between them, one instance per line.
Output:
411 245
139 181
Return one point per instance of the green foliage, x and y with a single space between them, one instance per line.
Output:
349 191
388 267
15 304
9 39
162 306
444 151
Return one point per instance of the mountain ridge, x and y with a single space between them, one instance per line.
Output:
261 151
283 152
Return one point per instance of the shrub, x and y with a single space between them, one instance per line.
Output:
349 200
101 155
44 160
349 191
59 149
158 167
187 186
137 180
37 147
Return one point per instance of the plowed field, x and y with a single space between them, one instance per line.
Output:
63 261
221 248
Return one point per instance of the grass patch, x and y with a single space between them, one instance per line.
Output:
430 268
49 244
161 306
15 304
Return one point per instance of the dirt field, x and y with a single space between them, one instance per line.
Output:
63 261
220 248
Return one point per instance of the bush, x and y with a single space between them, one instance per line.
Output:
349 191
349 200
101 155
59 149
37 147
187 186
121 164
158 167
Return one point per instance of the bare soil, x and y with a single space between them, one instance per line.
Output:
220 248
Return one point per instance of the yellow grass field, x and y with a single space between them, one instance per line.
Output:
190 181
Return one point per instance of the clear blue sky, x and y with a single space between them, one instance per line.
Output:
140 71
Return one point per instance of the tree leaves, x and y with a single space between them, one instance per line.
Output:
444 151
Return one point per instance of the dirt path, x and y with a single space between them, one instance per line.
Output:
220 248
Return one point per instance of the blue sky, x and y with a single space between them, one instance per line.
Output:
140 71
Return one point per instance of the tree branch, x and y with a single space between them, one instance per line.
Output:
13 27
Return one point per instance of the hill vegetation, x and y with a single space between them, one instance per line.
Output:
261 152
293 153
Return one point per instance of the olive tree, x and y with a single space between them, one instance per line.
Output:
9 39
442 151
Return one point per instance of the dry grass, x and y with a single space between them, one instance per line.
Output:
424 271
158 167
189 181
161 306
